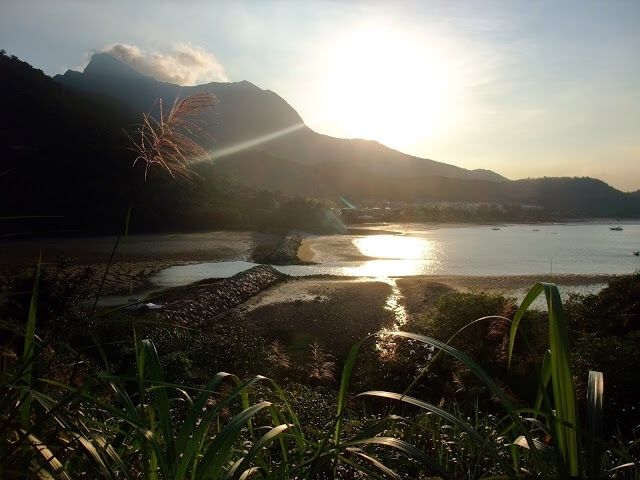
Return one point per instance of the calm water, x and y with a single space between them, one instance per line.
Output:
578 248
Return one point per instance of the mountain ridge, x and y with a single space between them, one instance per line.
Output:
558 196
260 113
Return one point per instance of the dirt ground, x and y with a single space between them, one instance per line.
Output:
302 311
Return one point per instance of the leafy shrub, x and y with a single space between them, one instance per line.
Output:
613 311
478 324
612 356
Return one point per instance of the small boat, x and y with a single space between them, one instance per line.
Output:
495 228
139 304
616 229
637 254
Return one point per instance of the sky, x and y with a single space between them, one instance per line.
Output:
527 89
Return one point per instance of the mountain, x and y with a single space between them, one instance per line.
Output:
65 167
259 119
58 147
65 164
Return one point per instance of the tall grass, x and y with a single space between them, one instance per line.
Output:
170 141
141 426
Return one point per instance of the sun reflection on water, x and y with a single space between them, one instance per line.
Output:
386 268
385 345
396 247
396 256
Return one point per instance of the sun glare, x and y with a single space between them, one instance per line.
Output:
395 247
387 85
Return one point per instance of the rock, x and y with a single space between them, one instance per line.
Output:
199 303
286 253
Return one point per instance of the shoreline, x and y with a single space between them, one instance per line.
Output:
510 282
133 277
138 258
469 283
216 245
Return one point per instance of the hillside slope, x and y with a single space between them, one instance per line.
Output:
258 120
65 168
564 196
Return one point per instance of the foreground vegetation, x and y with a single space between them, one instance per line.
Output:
76 403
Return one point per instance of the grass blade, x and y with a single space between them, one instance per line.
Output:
562 380
386 471
464 426
407 449
249 472
593 427
566 412
48 456
480 373
545 376
535 291
220 448
426 406
29 346
262 442
345 379
197 429
161 403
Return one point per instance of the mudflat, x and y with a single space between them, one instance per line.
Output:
164 248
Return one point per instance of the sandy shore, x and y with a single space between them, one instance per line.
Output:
330 248
319 289
337 311
301 289
504 282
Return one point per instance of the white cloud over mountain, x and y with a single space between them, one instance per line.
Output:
183 64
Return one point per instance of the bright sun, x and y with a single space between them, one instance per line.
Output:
387 86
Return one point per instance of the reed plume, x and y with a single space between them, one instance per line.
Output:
171 141
321 367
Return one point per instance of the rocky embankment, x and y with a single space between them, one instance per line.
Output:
198 303
285 252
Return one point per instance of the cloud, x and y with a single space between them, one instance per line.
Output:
184 64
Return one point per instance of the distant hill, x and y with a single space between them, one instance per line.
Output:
245 113
568 197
